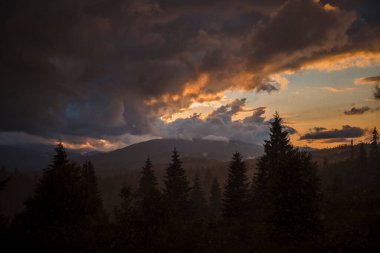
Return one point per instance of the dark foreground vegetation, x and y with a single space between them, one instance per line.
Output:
285 207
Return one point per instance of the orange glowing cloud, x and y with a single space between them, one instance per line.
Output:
360 59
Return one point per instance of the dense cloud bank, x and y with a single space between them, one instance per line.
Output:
321 133
219 125
106 69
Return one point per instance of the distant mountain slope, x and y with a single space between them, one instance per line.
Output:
35 157
159 150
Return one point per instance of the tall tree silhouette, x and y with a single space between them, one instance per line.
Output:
60 159
215 201
197 199
374 144
148 181
94 216
176 184
55 218
286 187
276 150
89 184
124 227
236 191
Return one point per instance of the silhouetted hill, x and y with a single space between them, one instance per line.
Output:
35 157
159 150
336 154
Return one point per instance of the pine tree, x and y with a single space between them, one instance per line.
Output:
236 191
286 190
94 217
197 199
60 158
276 149
124 226
55 218
374 144
91 194
176 184
215 202
148 181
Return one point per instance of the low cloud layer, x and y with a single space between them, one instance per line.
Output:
220 125
320 133
106 69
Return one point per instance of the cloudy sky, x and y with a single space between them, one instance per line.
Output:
104 74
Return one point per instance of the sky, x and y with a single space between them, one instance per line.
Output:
103 74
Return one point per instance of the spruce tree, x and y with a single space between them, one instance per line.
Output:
148 181
374 144
176 184
215 201
197 199
55 218
276 150
124 227
89 184
91 193
236 190
94 218
286 190
60 159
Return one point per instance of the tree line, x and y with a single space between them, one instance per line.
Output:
283 208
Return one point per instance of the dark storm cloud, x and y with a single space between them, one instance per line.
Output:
299 33
92 68
367 10
356 111
345 132
86 67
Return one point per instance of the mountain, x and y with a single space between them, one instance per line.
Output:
159 150
35 157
